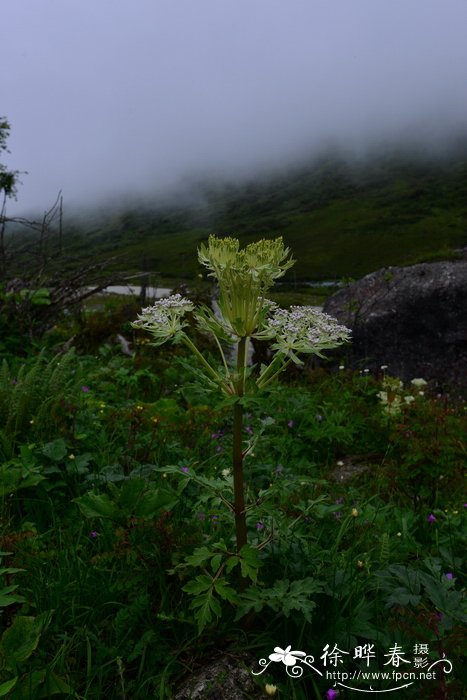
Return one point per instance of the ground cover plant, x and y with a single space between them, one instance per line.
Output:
121 569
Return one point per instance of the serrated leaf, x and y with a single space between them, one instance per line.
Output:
206 606
55 450
198 585
249 562
97 505
216 562
231 563
199 557
225 591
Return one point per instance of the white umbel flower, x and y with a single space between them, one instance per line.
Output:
303 329
163 320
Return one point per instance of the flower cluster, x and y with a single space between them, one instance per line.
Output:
243 276
393 396
163 320
303 329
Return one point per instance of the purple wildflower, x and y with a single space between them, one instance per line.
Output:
248 429
93 534
185 470
431 518
85 389
449 575
260 526
331 694
290 424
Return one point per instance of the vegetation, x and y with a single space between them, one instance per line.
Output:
120 571
341 218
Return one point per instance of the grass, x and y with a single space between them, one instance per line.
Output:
358 515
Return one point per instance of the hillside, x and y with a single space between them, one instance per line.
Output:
341 218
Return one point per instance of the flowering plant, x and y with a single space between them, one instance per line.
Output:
244 278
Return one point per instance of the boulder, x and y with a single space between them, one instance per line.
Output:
227 677
413 319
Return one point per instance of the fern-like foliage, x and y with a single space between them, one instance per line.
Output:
31 398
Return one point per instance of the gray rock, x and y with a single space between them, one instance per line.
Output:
226 678
413 319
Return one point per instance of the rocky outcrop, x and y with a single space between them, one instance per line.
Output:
413 319
225 678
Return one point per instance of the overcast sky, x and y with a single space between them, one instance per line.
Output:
107 97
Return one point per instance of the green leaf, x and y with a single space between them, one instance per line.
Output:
95 505
216 562
199 557
7 686
207 607
225 591
198 585
55 450
20 640
249 562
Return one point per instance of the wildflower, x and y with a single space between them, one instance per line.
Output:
248 429
399 534
290 424
163 320
93 534
102 405
431 518
32 421
383 367
85 389
155 420
303 329
319 417
408 399
419 382
71 456
360 564
225 473
340 463
270 689
331 694
341 367
449 575
185 470
260 526
354 513
366 371
421 393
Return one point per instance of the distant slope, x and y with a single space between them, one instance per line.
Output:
340 219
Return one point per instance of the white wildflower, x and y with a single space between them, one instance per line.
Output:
419 382
303 329
163 320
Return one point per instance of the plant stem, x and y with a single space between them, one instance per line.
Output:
211 371
239 496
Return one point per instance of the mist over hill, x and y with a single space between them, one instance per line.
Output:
342 214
